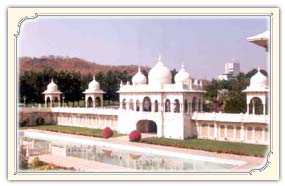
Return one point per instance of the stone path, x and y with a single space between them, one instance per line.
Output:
251 162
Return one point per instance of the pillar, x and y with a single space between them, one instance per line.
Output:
215 130
264 109
263 135
242 133
253 107
247 108
141 106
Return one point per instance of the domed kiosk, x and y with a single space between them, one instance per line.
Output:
182 76
154 105
257 91
139 78
159 74
93 95
52 95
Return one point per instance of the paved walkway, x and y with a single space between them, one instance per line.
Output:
251 162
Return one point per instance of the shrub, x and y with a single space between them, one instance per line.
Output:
23 159
36 162
40 121
23 122
107 132
135 136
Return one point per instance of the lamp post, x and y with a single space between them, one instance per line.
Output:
24 101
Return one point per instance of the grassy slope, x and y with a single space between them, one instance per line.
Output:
211 145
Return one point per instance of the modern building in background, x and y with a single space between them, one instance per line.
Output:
232 69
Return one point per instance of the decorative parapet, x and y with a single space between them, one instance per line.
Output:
74 110
162 88
227 117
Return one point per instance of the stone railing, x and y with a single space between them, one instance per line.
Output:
78 110
227 117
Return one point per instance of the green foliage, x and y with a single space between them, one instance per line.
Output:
40 120
23 160
211 145
72 84
23 122
235 100
74 130
36 162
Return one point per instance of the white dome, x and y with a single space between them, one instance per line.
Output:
139 78
159 74
93 85
52 87
258 80
182 76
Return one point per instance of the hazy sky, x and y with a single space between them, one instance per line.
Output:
203 44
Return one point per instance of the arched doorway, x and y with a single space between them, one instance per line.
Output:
89 102
146 104
146 126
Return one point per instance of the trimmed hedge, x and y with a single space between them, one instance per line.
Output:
107 132
135 136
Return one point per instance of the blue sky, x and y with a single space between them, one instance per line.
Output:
203 44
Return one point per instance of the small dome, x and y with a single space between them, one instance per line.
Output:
258 80
52 87
93 85
182 75
139 78
159 74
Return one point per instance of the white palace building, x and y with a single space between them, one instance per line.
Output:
154 104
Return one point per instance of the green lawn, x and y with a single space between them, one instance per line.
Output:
72 130
211 145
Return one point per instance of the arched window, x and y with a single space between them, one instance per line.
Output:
185 106
194 104
124 104
167 106
48 102
255 106
155 106
89 102
55 102
199 105
131 104
176 106
137 105
97 102
146 104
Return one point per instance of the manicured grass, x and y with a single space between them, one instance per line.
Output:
72 130
211 145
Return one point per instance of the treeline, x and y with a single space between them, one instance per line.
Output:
227 96
71 84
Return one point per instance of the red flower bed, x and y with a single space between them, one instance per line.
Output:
107 132
135 136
